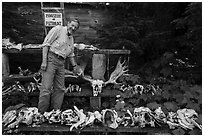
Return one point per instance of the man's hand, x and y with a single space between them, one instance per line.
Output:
77 70
43 66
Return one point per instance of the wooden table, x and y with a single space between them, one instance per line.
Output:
94 129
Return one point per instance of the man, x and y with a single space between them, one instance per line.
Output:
57 45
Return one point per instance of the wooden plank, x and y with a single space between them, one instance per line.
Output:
98 66
87 92
39 50
95 103
17 77
5 65
24 51
63 128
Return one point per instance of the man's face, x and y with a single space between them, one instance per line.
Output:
72 27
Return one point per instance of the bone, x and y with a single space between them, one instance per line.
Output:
82 118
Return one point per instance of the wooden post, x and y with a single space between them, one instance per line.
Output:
98 66
5 65
95 103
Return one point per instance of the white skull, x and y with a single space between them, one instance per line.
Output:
27 114
9 117
127 119
143 116
97 86
98 116
69 117
172 117
109 118
55 117
90 119
38 118
138 89
172 120
160 116
187 117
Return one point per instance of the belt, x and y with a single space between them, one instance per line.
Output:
56 55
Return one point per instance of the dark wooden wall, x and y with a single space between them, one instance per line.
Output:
89 17
24 21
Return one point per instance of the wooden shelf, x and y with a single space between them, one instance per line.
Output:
94 129
29 78
87 92
39 51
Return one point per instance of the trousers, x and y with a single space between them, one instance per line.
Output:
53 86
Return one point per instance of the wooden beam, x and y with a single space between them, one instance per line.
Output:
39 50
95 129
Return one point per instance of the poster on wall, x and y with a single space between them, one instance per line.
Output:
53 19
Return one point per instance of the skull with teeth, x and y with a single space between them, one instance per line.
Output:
68 117
27 114
109 118
142 116
97 86
187 118
126 119
38 118
138 89
52 116
160 116
55 117
172 120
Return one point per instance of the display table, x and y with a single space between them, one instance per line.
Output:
94 129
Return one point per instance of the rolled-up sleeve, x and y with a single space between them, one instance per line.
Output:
72 53
51 36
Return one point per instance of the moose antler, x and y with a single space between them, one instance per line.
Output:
87 78
120 69
97 85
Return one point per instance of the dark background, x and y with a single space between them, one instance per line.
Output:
165 39
158 34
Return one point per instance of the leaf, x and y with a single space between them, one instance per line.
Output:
199 120
166 71
195 132
194 106
143 97
119 105
171 106
166 95
178 131
153 105
179 97
166 87
184 101
197 89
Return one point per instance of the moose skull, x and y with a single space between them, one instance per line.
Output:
55 117
68 117
97 86
142 116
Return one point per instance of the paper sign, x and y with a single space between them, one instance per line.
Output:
53 19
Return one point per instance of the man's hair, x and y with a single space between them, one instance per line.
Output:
75 20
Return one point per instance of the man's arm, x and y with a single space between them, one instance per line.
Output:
72 60
44 57
76 68
49 39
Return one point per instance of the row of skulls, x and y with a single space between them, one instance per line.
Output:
140 89
140 117
136 89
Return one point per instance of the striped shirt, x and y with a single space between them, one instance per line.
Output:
60 43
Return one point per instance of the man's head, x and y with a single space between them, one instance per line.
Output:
72 26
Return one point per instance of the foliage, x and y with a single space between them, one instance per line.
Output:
174 95
158 34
